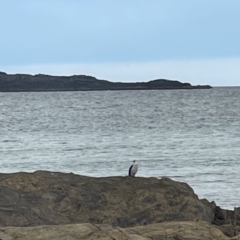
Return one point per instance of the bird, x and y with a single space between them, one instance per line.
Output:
133 169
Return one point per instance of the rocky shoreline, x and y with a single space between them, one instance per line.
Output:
41 82
182 230
45 203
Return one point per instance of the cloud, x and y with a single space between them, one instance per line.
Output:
216 72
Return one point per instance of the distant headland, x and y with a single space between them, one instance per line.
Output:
41 82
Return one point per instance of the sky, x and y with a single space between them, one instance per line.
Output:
123 40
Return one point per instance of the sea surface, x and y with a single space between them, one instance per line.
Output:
187 135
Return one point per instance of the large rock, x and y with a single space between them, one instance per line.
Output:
30 199
50 198
159 231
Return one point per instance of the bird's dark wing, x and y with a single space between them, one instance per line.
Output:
129 172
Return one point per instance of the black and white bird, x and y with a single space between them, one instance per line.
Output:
133 169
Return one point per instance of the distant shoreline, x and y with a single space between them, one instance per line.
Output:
48 83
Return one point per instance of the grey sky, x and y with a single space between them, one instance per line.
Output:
137 40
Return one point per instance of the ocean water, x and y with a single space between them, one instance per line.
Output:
187 135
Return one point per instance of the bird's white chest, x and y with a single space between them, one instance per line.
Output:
134 169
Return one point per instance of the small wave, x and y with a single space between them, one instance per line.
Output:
73 149
6 141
